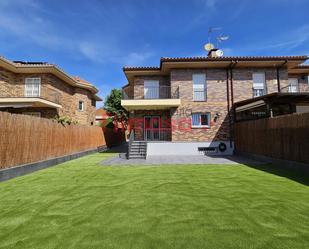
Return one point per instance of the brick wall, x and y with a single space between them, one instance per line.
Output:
216 103
243 83
13 85
216 99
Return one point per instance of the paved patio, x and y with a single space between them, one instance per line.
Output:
155 160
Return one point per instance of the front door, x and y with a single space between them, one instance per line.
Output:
152 128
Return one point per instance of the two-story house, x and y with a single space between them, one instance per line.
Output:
44 90
185 106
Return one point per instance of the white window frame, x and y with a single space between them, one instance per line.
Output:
259 86
200 86
83 106
151 89
34 114
291 86
200 117
27 85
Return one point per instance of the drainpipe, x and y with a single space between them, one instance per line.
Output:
278 75
228 104
229 72
233 64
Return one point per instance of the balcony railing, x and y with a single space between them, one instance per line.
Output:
161 92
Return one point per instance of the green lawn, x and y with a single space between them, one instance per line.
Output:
81 204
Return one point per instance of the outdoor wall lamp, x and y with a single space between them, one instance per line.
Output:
217 115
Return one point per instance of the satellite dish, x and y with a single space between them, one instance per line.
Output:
219 53
209 46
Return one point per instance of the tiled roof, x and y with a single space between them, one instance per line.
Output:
140 68
22 64
224 58
228 58
79 79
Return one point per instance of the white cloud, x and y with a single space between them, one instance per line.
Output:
284 42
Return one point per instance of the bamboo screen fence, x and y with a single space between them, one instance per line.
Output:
283 137
25 139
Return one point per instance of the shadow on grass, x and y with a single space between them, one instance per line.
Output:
294 175
121 149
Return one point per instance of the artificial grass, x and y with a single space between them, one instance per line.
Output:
81 204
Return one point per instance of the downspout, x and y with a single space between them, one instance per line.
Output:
232 65
228 104
278 75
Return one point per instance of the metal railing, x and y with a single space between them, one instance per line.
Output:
131 139
199 94
161 92
158 134
258 92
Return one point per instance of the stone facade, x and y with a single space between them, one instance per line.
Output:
52 89
218 100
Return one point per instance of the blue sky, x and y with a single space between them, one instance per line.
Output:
94 39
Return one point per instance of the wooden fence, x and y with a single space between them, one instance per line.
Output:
25 139
283 137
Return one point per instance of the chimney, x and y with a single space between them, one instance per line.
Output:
212 53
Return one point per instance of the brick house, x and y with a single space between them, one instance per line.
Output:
185 106
44 90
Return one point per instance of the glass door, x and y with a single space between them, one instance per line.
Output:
152 128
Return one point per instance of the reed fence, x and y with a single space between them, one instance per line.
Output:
25 139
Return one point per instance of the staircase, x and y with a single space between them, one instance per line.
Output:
138 150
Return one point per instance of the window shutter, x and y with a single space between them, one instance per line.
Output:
199 81
258 80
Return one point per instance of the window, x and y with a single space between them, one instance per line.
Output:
32 87
258 84
199 87
151 89
81 105
35 114
200 120
93 102
293 85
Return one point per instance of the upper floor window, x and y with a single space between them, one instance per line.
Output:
200 120
93 102
81 106
293 85
32 87
259 86
199 87
151 89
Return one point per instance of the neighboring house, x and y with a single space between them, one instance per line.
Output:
44 90
101 116
185 106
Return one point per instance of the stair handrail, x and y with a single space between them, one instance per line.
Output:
131 139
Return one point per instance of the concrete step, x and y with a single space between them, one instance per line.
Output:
138 149
137 157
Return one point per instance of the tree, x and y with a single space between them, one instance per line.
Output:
113 106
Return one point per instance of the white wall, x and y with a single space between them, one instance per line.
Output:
185 148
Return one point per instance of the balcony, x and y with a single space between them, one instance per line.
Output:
150 98
49 98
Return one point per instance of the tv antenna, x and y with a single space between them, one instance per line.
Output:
210 46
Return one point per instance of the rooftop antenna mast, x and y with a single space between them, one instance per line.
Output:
212 50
